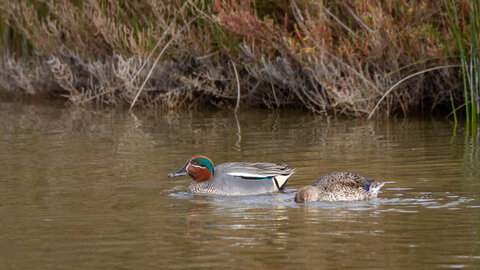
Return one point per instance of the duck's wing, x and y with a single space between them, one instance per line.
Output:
256 170
262 173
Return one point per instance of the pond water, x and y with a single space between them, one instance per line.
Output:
83 189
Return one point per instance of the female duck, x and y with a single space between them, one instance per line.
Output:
234 178
339 186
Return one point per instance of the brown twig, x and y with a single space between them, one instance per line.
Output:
401 81
156 61
238 87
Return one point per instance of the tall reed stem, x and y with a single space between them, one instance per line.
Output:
470 59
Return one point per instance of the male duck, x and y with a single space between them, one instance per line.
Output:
339 186
234 178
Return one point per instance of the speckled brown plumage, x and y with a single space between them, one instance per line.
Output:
339 186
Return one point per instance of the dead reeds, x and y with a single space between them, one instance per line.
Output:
332 58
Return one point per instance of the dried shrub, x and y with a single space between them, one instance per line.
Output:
329 57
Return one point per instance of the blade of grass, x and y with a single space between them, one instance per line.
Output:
238 88
453 110
455 30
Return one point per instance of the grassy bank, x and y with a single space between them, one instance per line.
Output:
357 58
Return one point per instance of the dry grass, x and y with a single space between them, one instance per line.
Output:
329 57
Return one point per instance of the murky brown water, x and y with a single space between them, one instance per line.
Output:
88 190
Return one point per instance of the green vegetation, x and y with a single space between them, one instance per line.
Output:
469 51
356 58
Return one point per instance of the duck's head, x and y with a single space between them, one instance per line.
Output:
306 194
200 168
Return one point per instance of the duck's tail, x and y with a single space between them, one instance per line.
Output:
281 180
375 187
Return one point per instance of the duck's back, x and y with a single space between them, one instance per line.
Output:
345 186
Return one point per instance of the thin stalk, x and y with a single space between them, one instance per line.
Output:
238 88
474 19
165 33
454 118
455 29
402 80
471 74
414 64
156 61
453 110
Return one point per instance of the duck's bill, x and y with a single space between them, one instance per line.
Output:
182 171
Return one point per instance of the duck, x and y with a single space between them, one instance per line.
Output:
339 186
234 178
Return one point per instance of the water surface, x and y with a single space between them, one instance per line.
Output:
83 189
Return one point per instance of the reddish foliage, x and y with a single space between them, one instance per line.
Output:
239 19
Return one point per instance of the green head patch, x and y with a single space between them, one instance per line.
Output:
204 162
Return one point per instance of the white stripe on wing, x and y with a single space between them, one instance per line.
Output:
252 175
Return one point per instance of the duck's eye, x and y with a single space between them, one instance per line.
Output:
195 162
